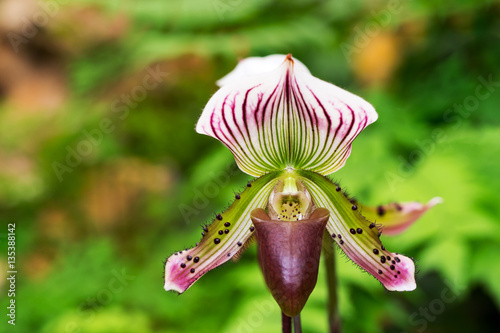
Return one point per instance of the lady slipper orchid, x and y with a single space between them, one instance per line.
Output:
290 129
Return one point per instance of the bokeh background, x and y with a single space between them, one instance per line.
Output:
105 177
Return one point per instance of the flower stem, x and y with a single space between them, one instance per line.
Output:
331 280
297 327
286 323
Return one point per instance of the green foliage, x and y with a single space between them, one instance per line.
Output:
117 208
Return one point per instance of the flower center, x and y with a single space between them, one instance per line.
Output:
289 201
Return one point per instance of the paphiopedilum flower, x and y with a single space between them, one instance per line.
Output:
290 129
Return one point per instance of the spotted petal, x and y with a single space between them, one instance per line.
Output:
222 239
397 217
285 119
358 237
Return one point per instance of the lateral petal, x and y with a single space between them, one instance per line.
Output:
222 239
358 237
397 217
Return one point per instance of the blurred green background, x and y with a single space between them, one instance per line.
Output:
98 160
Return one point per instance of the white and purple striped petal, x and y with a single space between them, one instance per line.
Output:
284 119
257 65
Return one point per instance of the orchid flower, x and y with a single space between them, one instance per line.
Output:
290 129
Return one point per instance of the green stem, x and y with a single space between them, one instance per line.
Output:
331 280
297 327
286 323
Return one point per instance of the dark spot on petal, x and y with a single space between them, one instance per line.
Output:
226 231
196 259
382 259
219 217
379 271
397 259
340 236
205 229
395 276
180 252
372 225
359 231
239 243
388 258
354 207
227 224
217 241
252 228
237 196
338 189
393 267
183 265
394 262
192 270
398 207
189 257
249 185
341 242
333 235
399 272
202 234
353 201
375 251
380 210
383 248
221 232
352 231
176 253
291 204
